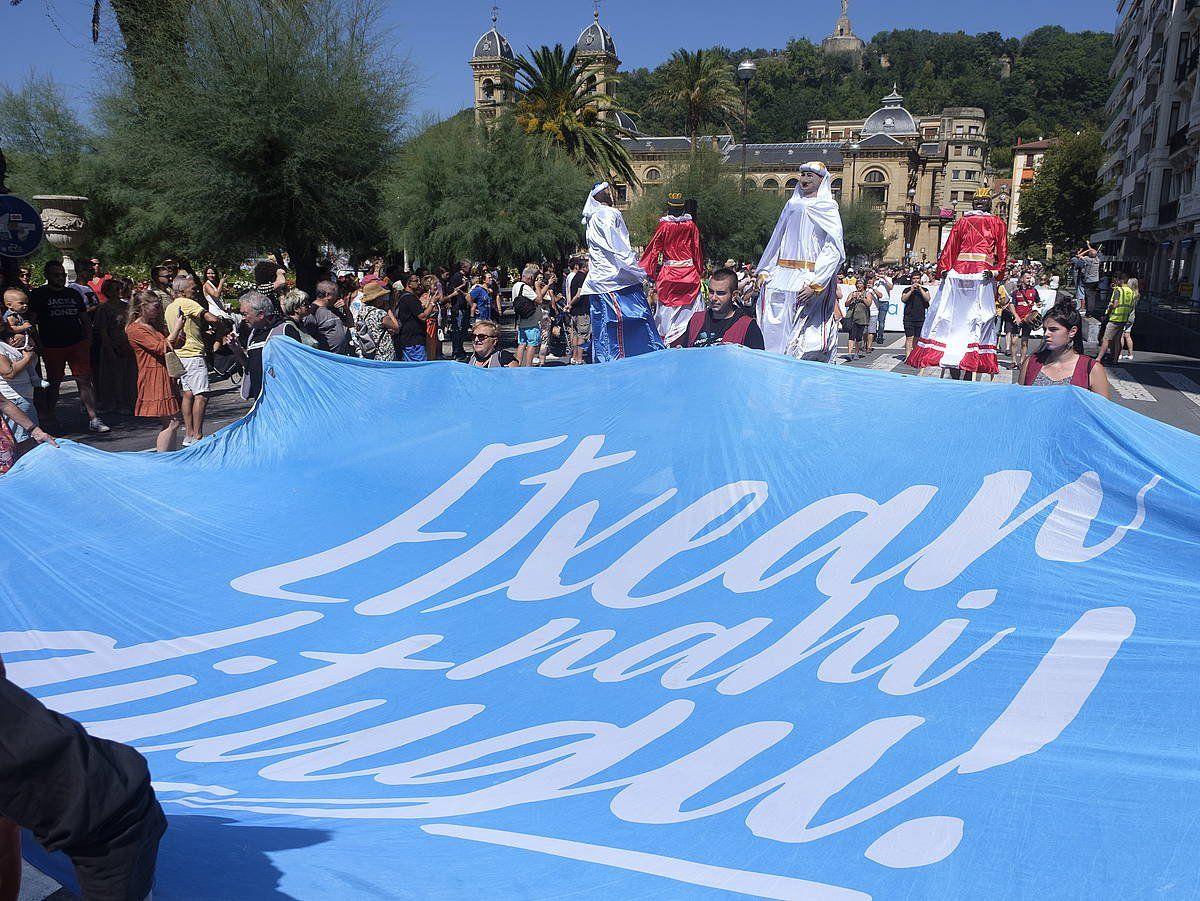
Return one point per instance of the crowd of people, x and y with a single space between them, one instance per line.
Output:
153 349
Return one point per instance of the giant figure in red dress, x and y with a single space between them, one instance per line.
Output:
672 260
960 328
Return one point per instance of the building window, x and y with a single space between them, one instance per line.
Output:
622 194
836 187
970 175
653 175
770 184
835 135
956 174
791 184
931 132
874 189
972 151
958 149
489 89
974 129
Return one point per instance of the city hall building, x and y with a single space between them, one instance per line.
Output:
919 171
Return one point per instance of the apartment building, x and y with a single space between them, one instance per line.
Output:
1150 217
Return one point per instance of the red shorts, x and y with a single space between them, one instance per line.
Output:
78 356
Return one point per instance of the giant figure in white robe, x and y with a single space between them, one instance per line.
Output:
622 323
799 271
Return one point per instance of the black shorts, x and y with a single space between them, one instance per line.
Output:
857 331
913 329
1024 330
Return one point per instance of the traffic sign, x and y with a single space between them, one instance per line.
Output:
20 227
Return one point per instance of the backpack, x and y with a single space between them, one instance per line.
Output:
366 344
524 306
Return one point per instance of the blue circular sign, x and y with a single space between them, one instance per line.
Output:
20 227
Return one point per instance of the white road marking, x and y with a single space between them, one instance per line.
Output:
1126 386
885 362
1185 386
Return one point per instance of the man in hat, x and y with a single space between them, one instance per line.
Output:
672 260
960 328
798 271
622 324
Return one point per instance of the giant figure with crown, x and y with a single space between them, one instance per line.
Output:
960 328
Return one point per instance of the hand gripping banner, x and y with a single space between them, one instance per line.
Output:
696 624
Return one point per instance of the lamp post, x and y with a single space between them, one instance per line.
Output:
745 73
853 166
914 218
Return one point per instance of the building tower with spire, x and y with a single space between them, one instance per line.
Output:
598 55
494 70
843 39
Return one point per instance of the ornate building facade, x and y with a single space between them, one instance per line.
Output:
920 172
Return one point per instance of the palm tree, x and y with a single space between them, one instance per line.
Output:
701 85
558 101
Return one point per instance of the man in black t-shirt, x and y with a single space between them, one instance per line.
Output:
410 315
65 334
722 322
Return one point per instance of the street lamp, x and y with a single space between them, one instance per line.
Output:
745 73
914 211
853 166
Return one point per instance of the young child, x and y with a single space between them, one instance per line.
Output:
17 331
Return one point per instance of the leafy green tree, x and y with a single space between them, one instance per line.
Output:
557 102
732 224
701 85
461 191
1048 81
862 231
1059 207
44 140
263 124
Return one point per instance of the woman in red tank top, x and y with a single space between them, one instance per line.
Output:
1061 360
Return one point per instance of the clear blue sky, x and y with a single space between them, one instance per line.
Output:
437 36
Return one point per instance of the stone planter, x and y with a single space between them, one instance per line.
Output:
66 229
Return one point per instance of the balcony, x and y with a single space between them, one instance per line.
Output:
1189 207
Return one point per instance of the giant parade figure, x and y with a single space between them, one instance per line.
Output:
798 271
672 260
622 324
960 328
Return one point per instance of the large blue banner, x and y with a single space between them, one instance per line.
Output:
694 624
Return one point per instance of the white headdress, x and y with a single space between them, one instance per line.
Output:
592 205
817 168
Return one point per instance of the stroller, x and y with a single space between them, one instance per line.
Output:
226 365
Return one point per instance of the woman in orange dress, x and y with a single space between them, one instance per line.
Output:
147 333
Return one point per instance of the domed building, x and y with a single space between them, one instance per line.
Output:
494 68
919 171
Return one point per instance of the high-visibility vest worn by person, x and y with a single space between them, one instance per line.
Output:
1121 304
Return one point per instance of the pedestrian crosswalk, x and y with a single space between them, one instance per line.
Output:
1187 388
1126 386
